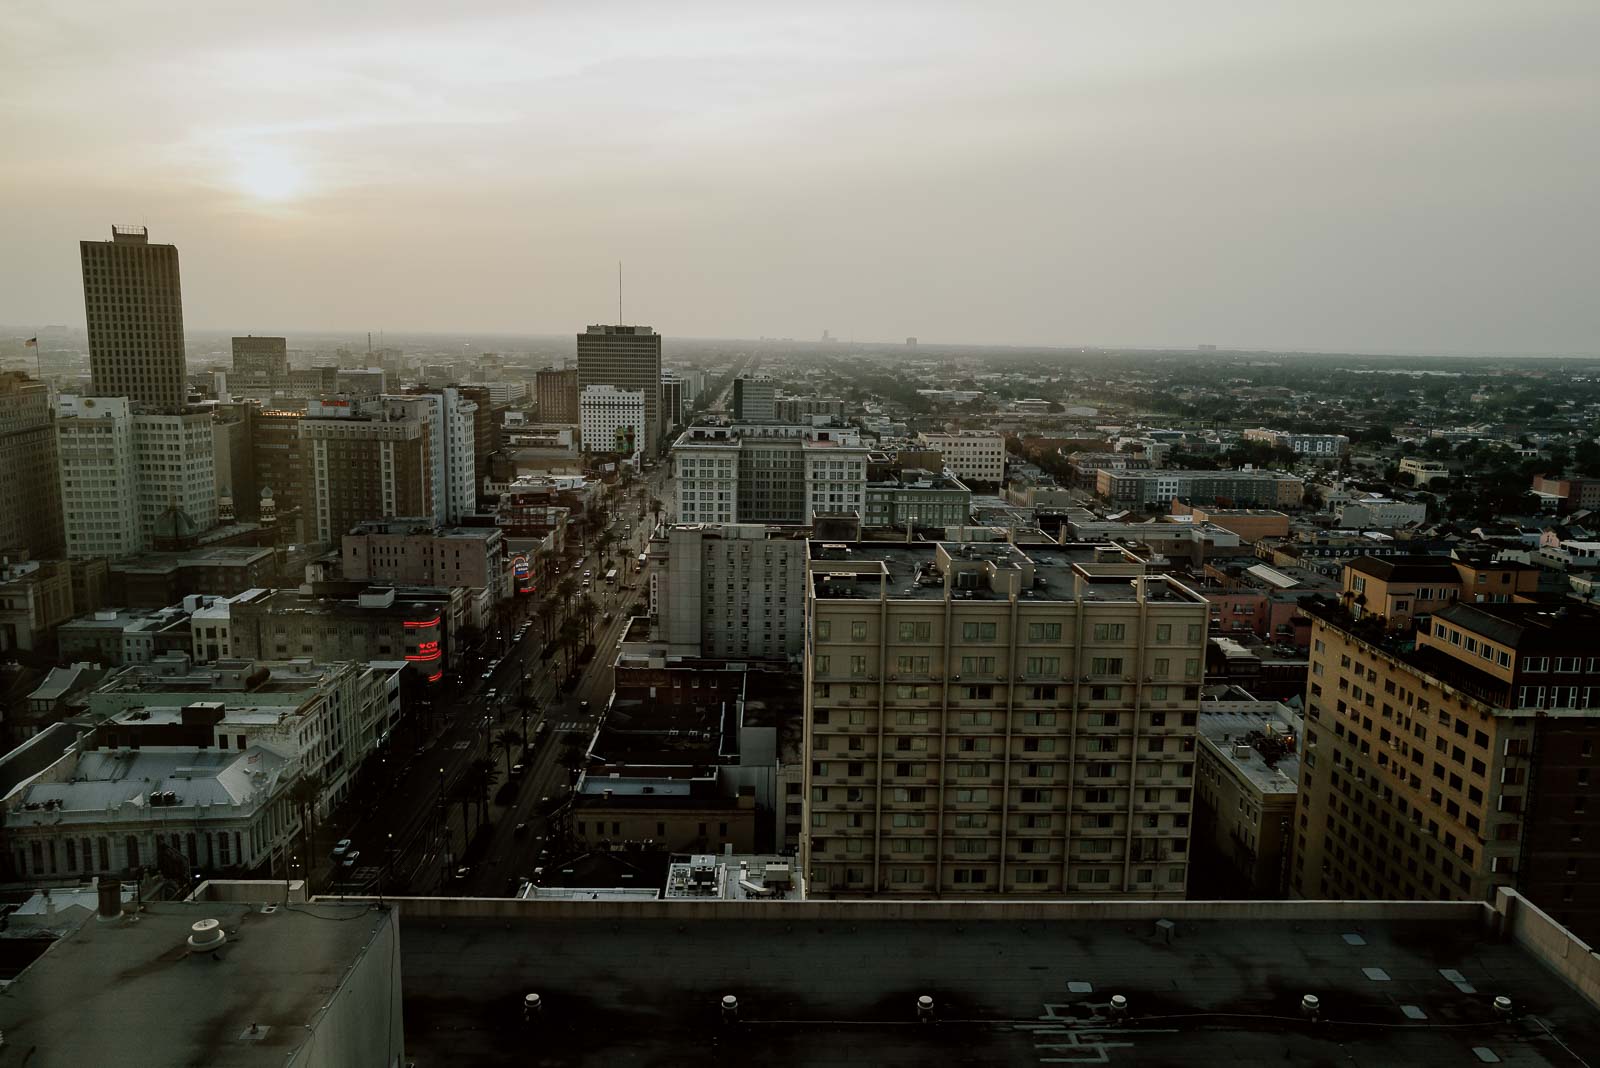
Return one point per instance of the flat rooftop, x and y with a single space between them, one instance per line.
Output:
912 574
1230 731
130 993
837 983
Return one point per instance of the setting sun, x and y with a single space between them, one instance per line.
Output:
268 173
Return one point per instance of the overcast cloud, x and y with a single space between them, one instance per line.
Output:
1350 175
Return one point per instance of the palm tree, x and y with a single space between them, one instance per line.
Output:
602 545
571 637
481 775
655 510
566 589
304 795
587 609
526 705
507 740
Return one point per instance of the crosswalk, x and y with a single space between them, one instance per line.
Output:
571 725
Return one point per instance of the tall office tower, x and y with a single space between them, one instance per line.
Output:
1453 755
259 363
99 477
134 308
455 438
612 420
671 401
557 395
30 516
176 486
485 432
755 399
994 719
376 461
283 483
627 357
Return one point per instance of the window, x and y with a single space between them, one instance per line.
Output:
977 665
858 666
1044 632
821 662
1163 632
858 630
1106 665
978 631
1194 632
1042 665
912 631
824 630
1109 632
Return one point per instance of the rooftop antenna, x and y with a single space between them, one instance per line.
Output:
619 292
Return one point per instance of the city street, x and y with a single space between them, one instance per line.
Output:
408 825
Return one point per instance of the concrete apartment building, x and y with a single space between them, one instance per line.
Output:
133 306
1454 761
991 719
972 455
627 357
556 393
755 399
414 553
1241 489
99 477
35 599
1397 589
917 498
733 590
768 474
175 466
612 420
373 461
260 365
1247 778
793 410
31 518
1323 446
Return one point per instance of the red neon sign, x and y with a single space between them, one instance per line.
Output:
436 676
425 651
434 622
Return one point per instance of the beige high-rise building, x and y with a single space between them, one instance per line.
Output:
368 462
31 517
134 309
627 357
991 719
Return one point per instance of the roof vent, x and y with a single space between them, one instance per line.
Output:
206 936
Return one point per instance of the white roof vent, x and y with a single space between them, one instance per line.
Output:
206 936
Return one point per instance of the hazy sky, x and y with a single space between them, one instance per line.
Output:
1410 175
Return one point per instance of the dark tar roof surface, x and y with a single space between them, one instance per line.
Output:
621 990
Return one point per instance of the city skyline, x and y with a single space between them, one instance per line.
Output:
1400 181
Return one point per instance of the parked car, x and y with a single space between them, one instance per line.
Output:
517 770
520 829
583 706
350 858
487 675
341 847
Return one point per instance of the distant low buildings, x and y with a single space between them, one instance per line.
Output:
1240 489
971 455
1323 446
768 473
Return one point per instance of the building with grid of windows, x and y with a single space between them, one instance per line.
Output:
768 474
1454 758
629 358
734 590
998 719
133 304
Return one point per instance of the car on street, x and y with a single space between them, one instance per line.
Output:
462 873
341 847
487 675
520 829
350 858
583 706
490 694
517 770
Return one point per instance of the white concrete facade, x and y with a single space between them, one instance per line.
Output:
972 455
604 410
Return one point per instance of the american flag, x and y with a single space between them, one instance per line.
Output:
31 343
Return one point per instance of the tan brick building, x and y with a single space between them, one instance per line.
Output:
993 719
1454 759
